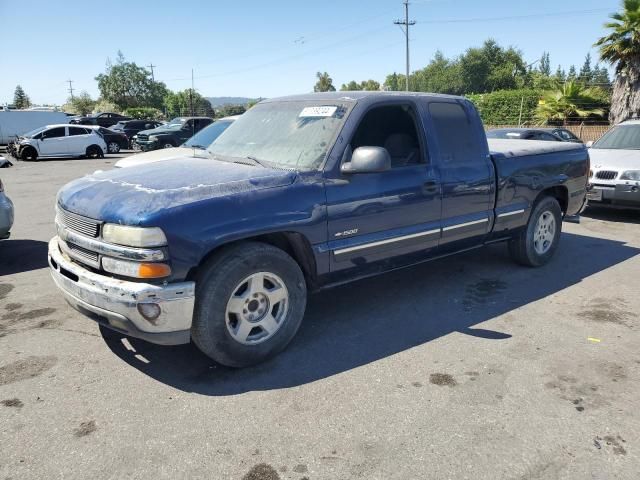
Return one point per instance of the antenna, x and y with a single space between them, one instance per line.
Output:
406 23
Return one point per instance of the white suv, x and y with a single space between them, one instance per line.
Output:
59 141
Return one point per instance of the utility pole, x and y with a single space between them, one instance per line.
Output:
151 65
191 94
406 23
70 88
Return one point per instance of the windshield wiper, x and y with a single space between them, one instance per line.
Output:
199 147
255 161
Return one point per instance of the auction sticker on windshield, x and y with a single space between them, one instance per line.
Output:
323 111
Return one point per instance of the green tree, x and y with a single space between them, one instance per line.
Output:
560 75
80 104
621 48
370 85
128 85
572 101
586 72
507 107
352 86
391 83
491 67
324 83
545 65
573 74
441 75
21 99
186 103
601 77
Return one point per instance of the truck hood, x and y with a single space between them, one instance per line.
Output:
614 159
160 155
132 195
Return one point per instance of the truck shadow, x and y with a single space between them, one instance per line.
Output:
613 214
351 326
17 256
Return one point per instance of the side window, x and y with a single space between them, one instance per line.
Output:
456 136
77 131
548 137
394 128
54 133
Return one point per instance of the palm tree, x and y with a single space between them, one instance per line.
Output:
570 101
621 48
324 83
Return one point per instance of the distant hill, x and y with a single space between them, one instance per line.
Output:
222 101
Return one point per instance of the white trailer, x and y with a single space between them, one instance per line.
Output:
18 122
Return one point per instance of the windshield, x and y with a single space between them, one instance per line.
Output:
206 136
622 137
503 134
34 132
287 134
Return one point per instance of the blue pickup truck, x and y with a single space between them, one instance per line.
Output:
302 193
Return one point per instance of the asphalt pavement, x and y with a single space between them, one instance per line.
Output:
469 367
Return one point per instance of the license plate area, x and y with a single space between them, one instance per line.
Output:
595 194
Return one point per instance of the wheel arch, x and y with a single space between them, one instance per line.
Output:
559 192
295 244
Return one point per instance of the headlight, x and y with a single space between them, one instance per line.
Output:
153 138
135 269
133 236
631 175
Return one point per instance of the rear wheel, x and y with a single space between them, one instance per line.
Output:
167 145
113 147
29 153
94 151
250 301
537 242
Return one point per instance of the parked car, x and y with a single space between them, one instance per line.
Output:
14 123
306 192
615 172
59 141
115 141
555 134
174 133
6 214
196 146
131 127
105 119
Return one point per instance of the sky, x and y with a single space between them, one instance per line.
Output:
268 48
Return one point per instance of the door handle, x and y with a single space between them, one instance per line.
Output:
431 186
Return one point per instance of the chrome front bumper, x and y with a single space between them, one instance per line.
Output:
114 303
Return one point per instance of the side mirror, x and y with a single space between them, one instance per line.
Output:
589 144
368 160
148 126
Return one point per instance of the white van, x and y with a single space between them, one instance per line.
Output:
18 122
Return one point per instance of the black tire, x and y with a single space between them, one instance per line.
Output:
167 144
29 153
523 247
94 151
217 282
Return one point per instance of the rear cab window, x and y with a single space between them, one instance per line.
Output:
457 137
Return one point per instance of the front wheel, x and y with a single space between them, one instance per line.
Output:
250 301
29 153
537 242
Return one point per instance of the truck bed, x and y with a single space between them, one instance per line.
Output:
522 148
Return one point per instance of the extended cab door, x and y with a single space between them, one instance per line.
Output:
384 216
466 172
53 142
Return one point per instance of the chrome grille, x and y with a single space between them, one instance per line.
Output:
82 253
606 174
85 226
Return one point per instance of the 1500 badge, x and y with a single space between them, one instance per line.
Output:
346 232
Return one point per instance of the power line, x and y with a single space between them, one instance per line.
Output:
406 23
517 17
